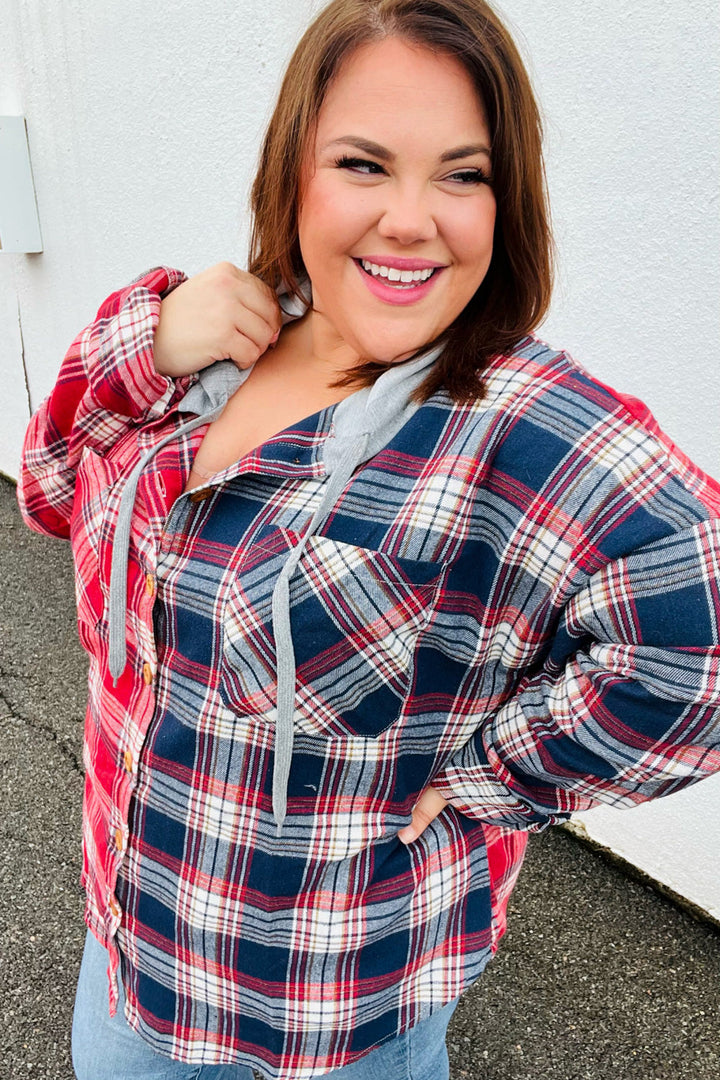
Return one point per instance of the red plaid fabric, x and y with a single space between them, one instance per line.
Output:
516 601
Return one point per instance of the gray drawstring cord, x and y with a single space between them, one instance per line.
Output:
117 601
207 398
282 632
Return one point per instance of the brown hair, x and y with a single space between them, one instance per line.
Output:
515 294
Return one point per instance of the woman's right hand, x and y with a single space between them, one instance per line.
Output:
222 313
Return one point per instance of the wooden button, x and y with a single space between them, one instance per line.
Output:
147 674
201 495
128 761
150 584
119 843
114 907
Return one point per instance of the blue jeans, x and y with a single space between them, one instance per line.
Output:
106 1048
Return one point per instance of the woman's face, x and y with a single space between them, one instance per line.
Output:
395 186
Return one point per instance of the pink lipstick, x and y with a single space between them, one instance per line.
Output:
398 292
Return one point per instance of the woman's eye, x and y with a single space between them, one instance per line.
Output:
367 167
361 165
470 176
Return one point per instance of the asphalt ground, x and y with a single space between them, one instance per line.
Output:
598 978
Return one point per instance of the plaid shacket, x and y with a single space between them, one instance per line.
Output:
516 601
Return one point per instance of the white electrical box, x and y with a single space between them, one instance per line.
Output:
19 223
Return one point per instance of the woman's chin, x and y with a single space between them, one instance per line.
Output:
361 337
383 351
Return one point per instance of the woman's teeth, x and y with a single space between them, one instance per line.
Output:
400 279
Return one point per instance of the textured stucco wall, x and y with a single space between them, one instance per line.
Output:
144 123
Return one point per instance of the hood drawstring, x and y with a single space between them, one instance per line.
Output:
207 396
363 424
117 601
284 650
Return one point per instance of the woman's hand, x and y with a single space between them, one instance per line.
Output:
426 809
221 313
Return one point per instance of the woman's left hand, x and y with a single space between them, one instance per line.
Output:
426 809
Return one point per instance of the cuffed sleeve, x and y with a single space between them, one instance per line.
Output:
107 383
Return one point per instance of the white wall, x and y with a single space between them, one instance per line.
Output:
630 92
144 122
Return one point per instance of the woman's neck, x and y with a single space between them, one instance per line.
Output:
314 341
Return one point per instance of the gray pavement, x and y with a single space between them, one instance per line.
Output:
598 978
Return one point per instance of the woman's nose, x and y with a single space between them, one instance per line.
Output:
407 216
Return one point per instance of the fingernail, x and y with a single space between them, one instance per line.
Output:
273 339
407 835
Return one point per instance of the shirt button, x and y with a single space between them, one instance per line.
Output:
150 584
114 906
128 761
147 674
119 842
201 495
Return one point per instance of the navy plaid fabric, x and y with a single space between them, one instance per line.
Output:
515 601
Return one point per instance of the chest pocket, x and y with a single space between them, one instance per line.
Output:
355 617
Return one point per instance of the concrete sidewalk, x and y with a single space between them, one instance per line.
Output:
599 978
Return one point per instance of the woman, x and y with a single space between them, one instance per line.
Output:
370 600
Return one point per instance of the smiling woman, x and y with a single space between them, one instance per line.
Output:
493 143
372 581
407 208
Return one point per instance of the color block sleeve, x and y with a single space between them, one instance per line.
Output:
107 383
627 705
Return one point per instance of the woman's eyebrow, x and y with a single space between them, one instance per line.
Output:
365 145
465 151
381 152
